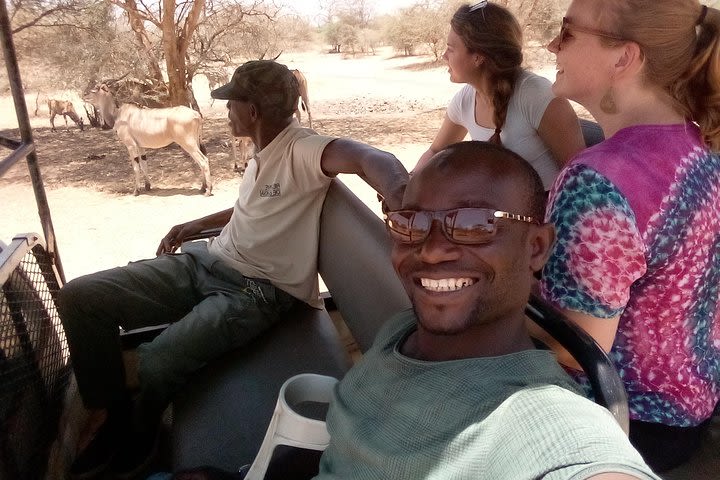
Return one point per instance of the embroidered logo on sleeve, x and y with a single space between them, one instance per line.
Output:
270 190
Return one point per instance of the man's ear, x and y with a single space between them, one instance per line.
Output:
541 241
254 111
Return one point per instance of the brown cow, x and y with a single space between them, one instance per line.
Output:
66 109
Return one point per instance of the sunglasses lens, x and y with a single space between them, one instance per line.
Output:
407 226
470 225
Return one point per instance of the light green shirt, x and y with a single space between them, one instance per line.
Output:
515 416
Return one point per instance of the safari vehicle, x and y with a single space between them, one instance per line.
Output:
221 418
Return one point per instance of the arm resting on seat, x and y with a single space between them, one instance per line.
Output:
209 233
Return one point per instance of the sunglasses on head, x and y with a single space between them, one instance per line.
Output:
477 6
465 226
567 27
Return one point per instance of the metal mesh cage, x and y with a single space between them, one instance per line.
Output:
34 359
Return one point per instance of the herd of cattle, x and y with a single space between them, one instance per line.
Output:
141 128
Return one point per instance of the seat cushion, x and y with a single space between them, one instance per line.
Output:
220 418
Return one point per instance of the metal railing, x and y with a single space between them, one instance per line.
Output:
34 358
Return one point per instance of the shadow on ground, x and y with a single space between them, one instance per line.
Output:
95 159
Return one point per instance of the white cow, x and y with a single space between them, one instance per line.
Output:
304 97
141 128
243 149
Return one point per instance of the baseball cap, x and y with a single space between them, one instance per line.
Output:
271 85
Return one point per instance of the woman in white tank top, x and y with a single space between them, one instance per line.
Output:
502 103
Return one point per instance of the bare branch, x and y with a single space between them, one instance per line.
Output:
36 20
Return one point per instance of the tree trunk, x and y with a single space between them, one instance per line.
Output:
137 26
176 40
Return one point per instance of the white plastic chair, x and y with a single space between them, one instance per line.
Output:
288 427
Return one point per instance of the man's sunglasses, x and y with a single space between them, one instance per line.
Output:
567 27
466 226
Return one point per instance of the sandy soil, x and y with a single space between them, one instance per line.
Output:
393 103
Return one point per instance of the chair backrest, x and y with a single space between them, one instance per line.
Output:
354 262
592 133
608 388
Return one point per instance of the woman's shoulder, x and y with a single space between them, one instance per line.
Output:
531 80
637 145
463 101
466 91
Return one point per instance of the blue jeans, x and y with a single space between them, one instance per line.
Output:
211 307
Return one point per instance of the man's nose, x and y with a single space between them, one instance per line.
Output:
437 248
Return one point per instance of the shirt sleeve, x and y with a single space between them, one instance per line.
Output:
599 251
582 472
456 107
307 161
559 435
534 94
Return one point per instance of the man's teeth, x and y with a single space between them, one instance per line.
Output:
446 284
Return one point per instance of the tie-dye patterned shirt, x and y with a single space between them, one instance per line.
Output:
638 227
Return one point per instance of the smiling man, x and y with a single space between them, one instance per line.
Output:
454 388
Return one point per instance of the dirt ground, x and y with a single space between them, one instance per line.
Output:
393 103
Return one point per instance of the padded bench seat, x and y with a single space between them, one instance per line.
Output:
221 417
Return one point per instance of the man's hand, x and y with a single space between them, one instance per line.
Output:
176 235
393 201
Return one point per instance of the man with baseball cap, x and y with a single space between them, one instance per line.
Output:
217 295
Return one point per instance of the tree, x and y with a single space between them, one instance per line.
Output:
403 32
349 24
100 45
177 23
433 24
177 26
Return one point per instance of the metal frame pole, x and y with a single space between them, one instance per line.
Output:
26 135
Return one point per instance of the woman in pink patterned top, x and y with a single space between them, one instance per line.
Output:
637 257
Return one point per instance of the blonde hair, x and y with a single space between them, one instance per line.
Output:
496 34
681 47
